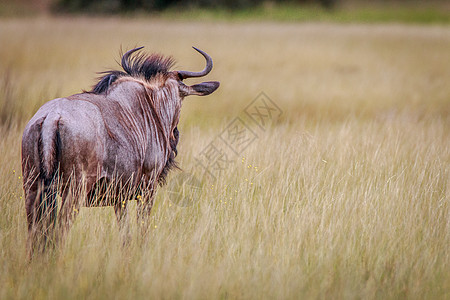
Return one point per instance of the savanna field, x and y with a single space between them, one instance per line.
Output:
344 195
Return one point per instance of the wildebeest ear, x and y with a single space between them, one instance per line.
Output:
202 89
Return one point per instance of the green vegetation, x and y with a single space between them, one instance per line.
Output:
345 11
346 196
295 13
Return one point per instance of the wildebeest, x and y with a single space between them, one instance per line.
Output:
105 146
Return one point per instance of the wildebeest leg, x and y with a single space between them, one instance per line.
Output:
34 241
144 207
70 207
40 203
121 210
31 197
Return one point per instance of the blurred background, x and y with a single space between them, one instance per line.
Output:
334 10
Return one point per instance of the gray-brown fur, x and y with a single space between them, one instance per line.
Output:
123 131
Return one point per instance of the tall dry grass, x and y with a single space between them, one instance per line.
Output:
346 195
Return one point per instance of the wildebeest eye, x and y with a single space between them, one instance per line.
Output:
183 89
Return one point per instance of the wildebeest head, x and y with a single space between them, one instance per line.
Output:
155 68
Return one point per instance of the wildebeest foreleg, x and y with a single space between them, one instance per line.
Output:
121 210
144 207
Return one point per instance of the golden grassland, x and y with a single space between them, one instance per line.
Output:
346 195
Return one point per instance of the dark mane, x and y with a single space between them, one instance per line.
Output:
171 163
136 65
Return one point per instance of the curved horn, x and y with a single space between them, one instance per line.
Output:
206 70
125 57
